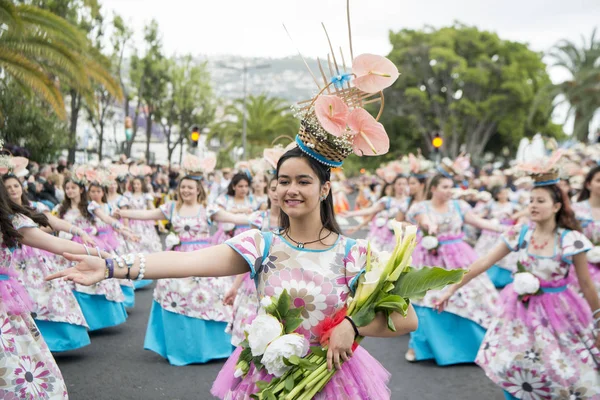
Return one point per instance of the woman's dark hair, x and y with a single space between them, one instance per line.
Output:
585 192
121 185
384 189
324 174
237 178
565 217
141 179
24 199
274 178
435 181
83 203
97 185
496 190
423 181
10 236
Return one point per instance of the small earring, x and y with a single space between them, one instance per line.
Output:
323 198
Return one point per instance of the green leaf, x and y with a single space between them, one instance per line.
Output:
291 324
246 355
290 383
304 363
294 312
390 322
294 360
262 385
283 304
269 395
254 396
364 315
521 267
414 284
388 286
319 351
244 344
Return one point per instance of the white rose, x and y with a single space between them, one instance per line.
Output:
285 346
593 255
266 302
526 283
263 330
171 240
391 223
380 222
429 242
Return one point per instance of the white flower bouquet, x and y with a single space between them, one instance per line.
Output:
430 242
172 240
386 286
525 284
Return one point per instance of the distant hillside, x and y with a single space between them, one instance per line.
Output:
285 77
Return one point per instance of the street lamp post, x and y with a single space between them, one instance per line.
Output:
244 71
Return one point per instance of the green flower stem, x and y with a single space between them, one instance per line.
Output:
317 379
304 382
318 387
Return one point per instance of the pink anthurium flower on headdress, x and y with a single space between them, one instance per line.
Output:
80 172
273 155
91 175
332 113
18 164
370 138
373 73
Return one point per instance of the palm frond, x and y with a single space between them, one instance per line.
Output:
47 22
9 14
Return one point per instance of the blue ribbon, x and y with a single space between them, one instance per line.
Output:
196 242
339 80
316 155
442 242
554 289
546 183
4 277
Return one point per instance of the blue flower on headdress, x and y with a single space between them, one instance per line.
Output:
339 80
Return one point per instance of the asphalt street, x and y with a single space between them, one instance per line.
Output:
116 367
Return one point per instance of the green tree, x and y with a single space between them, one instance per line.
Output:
468 85
31 123
149 75
40 52
582 90
188 102
267 118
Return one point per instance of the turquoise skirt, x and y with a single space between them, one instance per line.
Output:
61 336
184 340
142 283
445 337
129 296
508 396
99 312
500 277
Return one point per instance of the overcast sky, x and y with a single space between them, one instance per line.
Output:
254 27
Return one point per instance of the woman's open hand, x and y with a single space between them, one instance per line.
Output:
87 271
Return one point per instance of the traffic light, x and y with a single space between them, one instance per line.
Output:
437 142
195 136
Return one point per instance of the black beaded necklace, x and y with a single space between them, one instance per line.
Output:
301 245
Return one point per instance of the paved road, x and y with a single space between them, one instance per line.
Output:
116 367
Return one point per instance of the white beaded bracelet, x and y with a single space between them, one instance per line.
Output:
142 267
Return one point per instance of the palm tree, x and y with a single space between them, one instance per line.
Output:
267 118
582 90
41 51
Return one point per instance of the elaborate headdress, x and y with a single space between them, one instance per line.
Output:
140 171
334 122
420 167
10 164
195 167
543 171
83 174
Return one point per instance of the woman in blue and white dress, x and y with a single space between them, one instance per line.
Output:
237 200
188 318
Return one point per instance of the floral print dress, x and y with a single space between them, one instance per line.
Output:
52 300
228 203
320 281
489 239
149 239
381 234
195 297
27 368
591 229
544 349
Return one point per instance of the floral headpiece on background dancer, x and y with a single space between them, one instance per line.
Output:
420 167
334 123
196 168
83 174
10 164
544 172
140 171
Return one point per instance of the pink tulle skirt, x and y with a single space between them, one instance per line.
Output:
107 238
382 238
363 377
561 311
14 298
455 254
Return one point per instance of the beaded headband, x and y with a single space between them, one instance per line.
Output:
334 123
